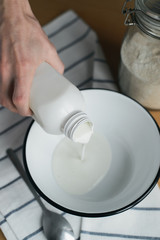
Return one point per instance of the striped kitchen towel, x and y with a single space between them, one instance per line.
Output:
20 214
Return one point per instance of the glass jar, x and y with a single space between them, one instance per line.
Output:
139 73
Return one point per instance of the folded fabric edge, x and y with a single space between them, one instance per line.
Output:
6 229
67 14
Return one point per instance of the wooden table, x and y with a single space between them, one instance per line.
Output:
103 16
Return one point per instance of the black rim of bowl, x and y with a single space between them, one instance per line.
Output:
83 214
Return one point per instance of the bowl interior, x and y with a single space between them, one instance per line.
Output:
135 146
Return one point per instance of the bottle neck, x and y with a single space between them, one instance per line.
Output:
78 127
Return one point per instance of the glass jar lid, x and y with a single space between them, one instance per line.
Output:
150 7
146 15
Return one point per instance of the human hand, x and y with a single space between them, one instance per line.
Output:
23 46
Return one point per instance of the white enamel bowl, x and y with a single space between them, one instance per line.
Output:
135 166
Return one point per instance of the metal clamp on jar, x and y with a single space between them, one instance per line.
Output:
139 74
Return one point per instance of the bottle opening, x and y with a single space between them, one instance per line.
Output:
83 132
78 128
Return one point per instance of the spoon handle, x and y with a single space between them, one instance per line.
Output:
13 157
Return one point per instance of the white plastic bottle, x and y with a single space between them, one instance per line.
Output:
58 106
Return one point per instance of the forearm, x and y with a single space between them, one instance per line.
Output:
15 8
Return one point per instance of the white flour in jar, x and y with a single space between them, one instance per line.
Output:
139 75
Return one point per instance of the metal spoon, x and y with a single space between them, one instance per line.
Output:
55 226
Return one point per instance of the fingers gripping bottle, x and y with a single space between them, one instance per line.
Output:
58 106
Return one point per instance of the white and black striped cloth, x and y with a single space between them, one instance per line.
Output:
20 214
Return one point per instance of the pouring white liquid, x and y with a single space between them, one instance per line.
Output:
79 168
83 151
